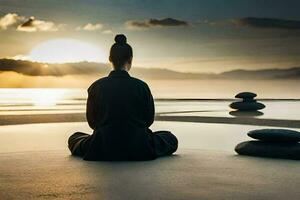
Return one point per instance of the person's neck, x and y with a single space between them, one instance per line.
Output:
122 69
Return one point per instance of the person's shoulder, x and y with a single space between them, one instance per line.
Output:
139 82
97 83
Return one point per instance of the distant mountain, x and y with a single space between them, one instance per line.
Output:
91 68
291 73
157 73
88 68
45 69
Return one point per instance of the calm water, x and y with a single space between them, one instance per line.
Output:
216 89
51 101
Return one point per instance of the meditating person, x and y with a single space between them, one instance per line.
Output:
120 110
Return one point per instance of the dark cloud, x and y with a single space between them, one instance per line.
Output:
267 23
156 23
28 23
167 22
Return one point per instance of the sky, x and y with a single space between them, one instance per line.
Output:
182 35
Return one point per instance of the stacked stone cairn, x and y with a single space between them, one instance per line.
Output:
248 103
272 143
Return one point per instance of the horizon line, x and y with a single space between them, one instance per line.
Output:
185 72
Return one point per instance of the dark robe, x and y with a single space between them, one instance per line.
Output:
120 110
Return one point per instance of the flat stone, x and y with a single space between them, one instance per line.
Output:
269 149
275 135
249 100
247 106
243 95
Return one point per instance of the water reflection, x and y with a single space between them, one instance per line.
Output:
238 113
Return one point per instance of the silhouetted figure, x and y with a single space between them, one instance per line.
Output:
120 110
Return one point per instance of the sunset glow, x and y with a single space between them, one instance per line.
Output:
46 97
66 50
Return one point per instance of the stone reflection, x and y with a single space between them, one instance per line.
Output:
238 113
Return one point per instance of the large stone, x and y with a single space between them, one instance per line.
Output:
269 149
244 95
249 100
275 135
247 106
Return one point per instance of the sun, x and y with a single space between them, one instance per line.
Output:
66 50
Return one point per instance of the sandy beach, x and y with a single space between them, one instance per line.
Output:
190 174
205 166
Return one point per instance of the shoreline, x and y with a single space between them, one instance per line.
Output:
80 117
82 101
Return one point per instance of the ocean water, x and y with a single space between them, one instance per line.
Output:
216 89
51 101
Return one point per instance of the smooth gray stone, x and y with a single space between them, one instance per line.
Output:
247 106
243 95
269 149
249 100
275 135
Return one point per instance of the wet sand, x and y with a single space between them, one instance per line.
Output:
80 117
190 174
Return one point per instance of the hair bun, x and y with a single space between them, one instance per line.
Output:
120 39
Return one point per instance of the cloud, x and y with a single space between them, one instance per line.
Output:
22 23
267 23
264 23
34 25
136 24
155 23
90 27
10 20
18 57
108 31
10 79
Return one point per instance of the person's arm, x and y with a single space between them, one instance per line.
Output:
90 110
150 110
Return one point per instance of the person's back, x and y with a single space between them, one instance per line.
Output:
120 98
120 110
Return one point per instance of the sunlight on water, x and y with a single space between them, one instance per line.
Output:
40 96
47 97
55 101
